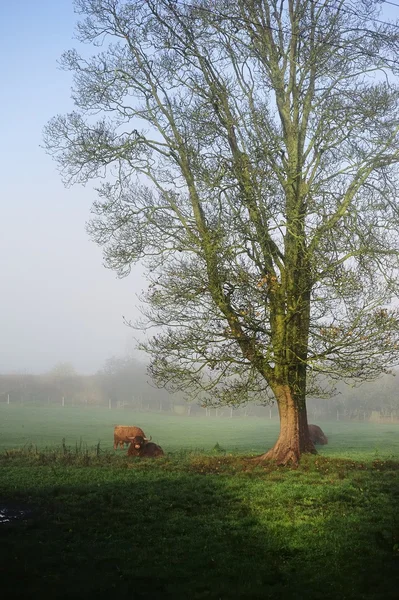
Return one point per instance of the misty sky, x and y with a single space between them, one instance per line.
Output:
58 302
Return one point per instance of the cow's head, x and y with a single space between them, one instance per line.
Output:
138 441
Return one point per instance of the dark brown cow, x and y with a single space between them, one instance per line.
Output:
123 434
140 447
316 435
151 450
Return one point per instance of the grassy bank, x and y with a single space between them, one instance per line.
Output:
198 526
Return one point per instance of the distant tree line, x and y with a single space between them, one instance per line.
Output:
123 383
120 383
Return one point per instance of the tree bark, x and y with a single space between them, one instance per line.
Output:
294 439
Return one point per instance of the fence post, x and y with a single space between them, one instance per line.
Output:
8 398
109 404
63 401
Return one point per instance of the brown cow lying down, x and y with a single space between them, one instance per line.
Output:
316 435
123 434
140 447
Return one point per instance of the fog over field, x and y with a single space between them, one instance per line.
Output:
58 302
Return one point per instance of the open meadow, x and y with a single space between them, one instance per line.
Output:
47 426
203 522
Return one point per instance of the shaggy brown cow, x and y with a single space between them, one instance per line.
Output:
151 450
136 444
123 434
316 435
140 447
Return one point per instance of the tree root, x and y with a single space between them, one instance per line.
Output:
283 456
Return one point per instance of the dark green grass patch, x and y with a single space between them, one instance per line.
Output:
198 526
203 522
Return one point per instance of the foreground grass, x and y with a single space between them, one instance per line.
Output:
197 526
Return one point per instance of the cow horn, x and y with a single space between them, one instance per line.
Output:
148 440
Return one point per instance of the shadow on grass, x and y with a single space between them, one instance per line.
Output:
191 537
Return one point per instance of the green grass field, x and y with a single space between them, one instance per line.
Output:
196 524
44 426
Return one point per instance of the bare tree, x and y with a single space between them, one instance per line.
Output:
250 153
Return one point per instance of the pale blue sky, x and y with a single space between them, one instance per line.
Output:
58 303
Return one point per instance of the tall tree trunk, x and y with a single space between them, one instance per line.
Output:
294 438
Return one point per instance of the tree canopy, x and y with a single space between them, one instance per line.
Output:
249 151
